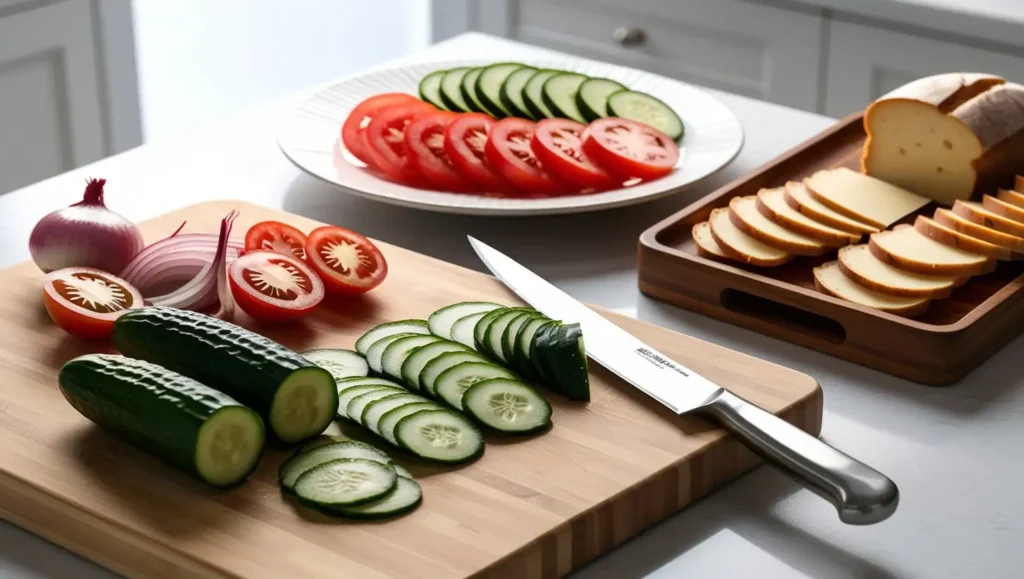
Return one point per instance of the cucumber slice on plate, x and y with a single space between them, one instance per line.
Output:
559 94
358 405
468 91
507 406
430 89
345 482
405 497
434 368
414 364
532 94
524 343
451 90
378 408
384 330
494 336
454 381
567 357
340 363
592 97
351 393
375 355
301 462
386 424
398 351
441 321
439 435
644 108
488 86
511 93
464 328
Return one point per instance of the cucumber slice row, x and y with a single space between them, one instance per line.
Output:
437 366
418 360
559 94
494 334
453 382
507 405
345 482
302 461
440 435
468 91
340 363
532 94
375 354
440 322
646 109
406 496
463 328
430 89
384 330
488 87
511 92
592 97
451 90
396 353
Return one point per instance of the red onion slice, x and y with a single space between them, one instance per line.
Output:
145 258
202 292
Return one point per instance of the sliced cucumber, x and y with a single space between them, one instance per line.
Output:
538 352
492 344
430 89
386 424
346 383
375 355
454 381
644 108
488 86
405 497
508 338
480 328
559 94
414 364
512 92
340 363
567 357
345 397
357 405
524 342
468 90
345 482
402 472
592 97
322 440
301 462
439 435
463 329
434 368
507 405
533 94
441 321
384 330
398 351
374 410
451 90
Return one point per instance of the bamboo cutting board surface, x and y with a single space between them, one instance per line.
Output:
536 507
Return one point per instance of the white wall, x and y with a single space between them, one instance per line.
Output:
200 60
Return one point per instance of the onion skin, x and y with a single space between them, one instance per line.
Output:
85 234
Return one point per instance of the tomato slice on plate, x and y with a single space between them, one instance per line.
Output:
508 152
348 263
464 142
355 125
557 144
385 141
277 237
424 146
85 302
274 287
630 149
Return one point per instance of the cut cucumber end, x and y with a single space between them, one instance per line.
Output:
304 405
440 435
345 482
507 406
229 445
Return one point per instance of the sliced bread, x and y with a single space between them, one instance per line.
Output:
908 249
1014 198
1000 207
975 212
773 205
800 198
860 265
863 197
742 247
745 216
830 279
953 238
706 244
959 223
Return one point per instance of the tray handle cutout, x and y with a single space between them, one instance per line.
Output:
784 315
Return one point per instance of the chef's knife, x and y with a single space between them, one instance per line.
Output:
861 494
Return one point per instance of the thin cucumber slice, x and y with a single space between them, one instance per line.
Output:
507 406
492 344
347 396
508 338
441 321
402 472
304 404
340 363
322 440
430 89
454 381
592 97
511 93
559 94
451 90
434 368
358 405
398 351
480 328
524 342
463 329
374 410
406 496
347 383
300 462
375 355
414 364
567 357
532 94
468 90
538 352
488 86
384 330
439 435
386 424
345 482
644 108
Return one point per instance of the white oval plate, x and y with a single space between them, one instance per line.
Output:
309 137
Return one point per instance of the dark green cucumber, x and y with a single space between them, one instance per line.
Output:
592 98
296 398
512 92
182 422
430 89
567 358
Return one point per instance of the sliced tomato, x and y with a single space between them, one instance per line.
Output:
85 301
277 237
424 146
557 144
274 287
464 142
385 141
508 152
352 130
630 149
348 263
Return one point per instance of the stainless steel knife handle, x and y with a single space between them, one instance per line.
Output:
862 495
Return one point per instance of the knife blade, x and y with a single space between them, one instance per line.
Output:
861 494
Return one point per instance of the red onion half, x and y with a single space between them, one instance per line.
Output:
201 293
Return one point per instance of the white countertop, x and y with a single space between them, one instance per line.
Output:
954 452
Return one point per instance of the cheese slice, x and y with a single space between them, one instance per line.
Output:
967 227
706 244
773 205
830 279
953 238
742 247
745 216
1014 198
1000 207
908 249
946 91
863 197
975 212
800 198
860 265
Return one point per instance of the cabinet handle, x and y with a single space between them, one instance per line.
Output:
629 36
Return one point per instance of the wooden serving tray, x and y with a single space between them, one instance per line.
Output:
535 507
953 337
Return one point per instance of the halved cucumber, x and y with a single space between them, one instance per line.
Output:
300 462
463 329
454 381
480 328
434 368
451 90
398 351
533 91
357 405
511 93
592 97
507 405
468 90
488 86
405 497
345 482
414 364
430 89
441 321
559 94
374 410
492 343
383 330
386 424
524 342
567 357
646 109
538 352
375 355
439 435
340 363
345 397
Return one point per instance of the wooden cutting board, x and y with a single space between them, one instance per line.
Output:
537 507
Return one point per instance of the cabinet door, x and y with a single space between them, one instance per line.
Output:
50 115
865 63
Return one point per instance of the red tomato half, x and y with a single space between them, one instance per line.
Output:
424 146
464 142
273 287
277 237
385 140
630 149
348 263
557 144
508 153
354 126
85 301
